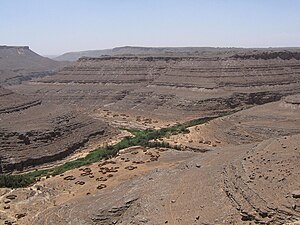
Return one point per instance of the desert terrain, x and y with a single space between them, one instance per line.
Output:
227 151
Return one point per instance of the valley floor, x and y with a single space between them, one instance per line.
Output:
246 175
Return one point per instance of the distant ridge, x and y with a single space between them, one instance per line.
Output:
160 51
132 50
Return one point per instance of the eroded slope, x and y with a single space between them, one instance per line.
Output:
33 133
252 125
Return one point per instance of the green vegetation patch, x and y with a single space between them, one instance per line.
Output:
146 138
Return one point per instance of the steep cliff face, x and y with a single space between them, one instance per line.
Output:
19 63
171 86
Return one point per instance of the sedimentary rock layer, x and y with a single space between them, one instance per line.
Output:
12 102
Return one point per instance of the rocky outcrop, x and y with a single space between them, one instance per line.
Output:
111 216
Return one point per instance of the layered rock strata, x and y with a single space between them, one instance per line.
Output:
171 87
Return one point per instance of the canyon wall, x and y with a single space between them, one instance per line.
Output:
171 86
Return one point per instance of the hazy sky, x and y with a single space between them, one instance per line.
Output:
58 26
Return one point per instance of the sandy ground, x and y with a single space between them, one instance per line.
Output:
130 120
59 191
235 185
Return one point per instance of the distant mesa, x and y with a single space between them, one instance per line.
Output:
19 63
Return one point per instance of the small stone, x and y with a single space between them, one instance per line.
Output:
101 186
80 182
173 201
101 179
11 197
296 194
70 178
20 215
